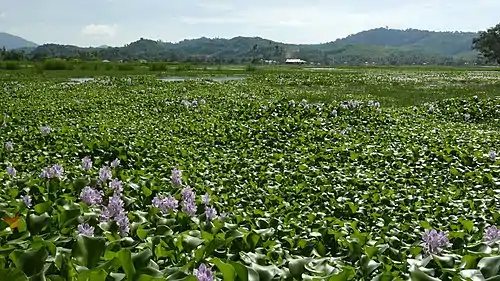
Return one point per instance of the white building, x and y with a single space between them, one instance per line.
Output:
295 61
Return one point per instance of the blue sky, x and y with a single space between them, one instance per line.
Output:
117 22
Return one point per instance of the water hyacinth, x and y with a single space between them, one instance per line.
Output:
176 177
85 229
431 108
116 186
210 213
188 194
205 199
202 101
86 163
334 113
56 171
493 156
9 146
91 196
466 116
115 211
491 233
204 273
165 204
189 207
433 241
11 171
105 174
115 163
45 130
27 201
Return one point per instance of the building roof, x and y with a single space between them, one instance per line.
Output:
295 60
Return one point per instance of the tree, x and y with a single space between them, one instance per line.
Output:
488 43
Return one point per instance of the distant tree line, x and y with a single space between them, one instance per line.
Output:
380 46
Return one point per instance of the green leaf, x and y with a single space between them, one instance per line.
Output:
89 250
489 266
418 275
227 270
43 207
296 267
125 257
13 274
30 262
241 270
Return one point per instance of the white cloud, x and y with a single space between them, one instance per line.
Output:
100 30
2 15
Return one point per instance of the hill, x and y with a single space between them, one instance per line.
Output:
10 42
380 46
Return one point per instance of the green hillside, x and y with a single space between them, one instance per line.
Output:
379 46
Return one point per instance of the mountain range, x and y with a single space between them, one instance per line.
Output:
379 45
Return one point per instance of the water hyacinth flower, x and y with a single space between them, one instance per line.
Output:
115 163
85 229
334 113
205 199
434 241
466 116
493 156
11 171
45 130
115 211
9 146
292 103
55 171
117 186
123 223
210 213
91 196
188 194
27 201
86 163
431 108
165 204
202 101
189 207
105 174
204 273
491 233
176 177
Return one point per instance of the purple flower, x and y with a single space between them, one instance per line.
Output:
187 194
492 155
115 163
86 163
123 223
55 171
11 171
91 196
204 273
176 177
491 233
9 146
210 213
58 170
434 241
117 186
115 211
85 229
105 174
165 204
205 199
189 207
27 200
45 130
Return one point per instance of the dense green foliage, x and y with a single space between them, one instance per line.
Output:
333 187
379 46
488 43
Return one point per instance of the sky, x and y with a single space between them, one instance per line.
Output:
118 22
